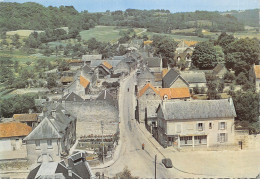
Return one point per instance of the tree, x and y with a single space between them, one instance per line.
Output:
164 47
219 54
229 77
126 174
16 66
241 55
28 63
221 86
224 40
51 81
204 56
246 105
15 41
181 64
212 85
241 79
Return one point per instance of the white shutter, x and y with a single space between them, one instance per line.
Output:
203 126
226 125
218 125
218 138
197 126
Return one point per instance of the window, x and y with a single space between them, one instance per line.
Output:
49 143
222 125
200 126
222 137
37 143
198 140
187 140
210 125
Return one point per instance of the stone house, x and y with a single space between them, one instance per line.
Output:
29 119
12 135
195 79
53 137
149 98
88 58
76 167
256 76
103 69
72 97
75 64
154 64
146 77
220 70
91 112
122 68
197 123
174 80
65 80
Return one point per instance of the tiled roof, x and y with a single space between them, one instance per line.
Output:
164 72
190 43
148 42
174 93
25 117
194 77
83 81
158 77
75 61
198 109
145 88
107 65
14 129
66 79
257 71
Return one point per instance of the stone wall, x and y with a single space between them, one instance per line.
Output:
90 114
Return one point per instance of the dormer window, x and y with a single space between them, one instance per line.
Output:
165 97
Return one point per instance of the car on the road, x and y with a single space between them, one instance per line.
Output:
167 162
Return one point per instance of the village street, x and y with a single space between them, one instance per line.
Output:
186 164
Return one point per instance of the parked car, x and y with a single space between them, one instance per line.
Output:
167 162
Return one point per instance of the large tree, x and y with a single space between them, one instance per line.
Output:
204 56
241 55
224 40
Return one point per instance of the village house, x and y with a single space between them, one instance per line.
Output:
194 79
91 112
75 64
145 77
88 58
196 123
103 69
184 52
29 119
72 97
65 80
76 167
174 80
12 135
149 98
154 64
53 136
219 71
256 76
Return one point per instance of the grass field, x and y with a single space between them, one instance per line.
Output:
21 33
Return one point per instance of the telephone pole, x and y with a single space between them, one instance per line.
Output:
155 167
102 128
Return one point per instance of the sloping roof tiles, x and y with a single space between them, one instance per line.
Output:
257 71
25 117
174 93
14 129
83 81
145 88
107 65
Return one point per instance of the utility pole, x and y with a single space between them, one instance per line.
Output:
102 128
155 167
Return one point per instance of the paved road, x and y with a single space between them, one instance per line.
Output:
139 162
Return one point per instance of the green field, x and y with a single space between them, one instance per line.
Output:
105 33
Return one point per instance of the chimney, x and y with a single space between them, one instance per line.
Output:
53 113
70 171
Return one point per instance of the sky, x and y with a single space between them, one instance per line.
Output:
172 5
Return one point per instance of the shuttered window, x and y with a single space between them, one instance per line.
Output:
222 137
222 125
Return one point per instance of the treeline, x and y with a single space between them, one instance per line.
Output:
164 21
33 16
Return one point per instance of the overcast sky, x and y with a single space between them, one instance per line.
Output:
172 5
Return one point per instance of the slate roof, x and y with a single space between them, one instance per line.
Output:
194 77
198 109
171 77
91 57
14 129
174 93
105 95
153 61
95 63
25 117
52 127
218 68
72 97
145 74
257 71
85 71
118 58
